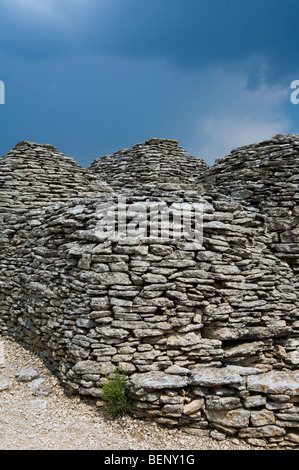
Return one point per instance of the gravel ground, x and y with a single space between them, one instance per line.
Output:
31 419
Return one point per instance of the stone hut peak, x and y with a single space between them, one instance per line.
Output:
26 143
154 162
157 140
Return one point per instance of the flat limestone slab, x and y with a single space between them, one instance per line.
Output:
211 377
157 380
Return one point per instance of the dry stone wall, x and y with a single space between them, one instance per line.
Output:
207 332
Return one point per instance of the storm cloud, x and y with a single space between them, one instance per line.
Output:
92 76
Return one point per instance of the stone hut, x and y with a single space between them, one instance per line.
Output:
205 328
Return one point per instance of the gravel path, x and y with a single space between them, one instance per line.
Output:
31 418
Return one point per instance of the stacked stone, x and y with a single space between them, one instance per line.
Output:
266 175
33 175
156 161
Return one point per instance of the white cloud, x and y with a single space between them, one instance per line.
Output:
237 116
36 6
224 133
53 11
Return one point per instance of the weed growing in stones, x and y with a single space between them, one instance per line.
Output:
114 394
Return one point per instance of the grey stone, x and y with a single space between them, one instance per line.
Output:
245 349
35 383
184 339
99 303
85 261
244 371
154 278
222 403
111 332
292 414
43 391
293 437
255 401
85 323
177 370
111 279
173 409
87 367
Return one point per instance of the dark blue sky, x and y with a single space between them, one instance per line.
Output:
94 76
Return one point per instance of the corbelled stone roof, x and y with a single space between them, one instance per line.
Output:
154 162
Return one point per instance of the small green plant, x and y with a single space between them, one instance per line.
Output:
114 394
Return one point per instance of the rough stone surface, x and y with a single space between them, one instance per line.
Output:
157 380
211 377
